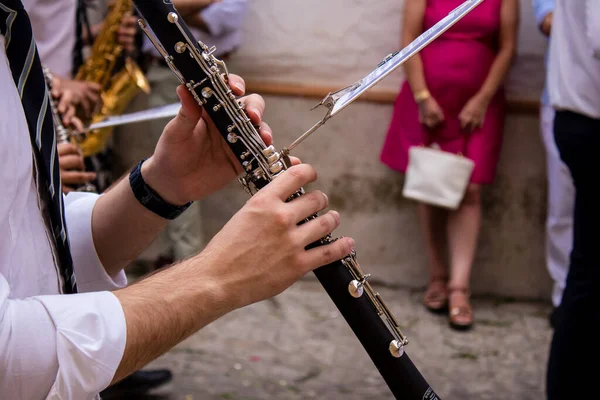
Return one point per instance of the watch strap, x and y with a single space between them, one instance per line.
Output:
150 199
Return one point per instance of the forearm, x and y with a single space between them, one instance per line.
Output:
121 227
498 71
509 23
414 12
166 308
415 74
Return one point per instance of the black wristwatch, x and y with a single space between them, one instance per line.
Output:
150 199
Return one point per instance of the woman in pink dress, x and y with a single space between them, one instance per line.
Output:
453 96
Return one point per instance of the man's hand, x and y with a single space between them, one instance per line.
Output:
261 250
258 254
80 94
546 26
72 167
191 159
127 32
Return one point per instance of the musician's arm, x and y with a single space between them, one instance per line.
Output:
232 271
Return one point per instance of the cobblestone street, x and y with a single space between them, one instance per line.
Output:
297 346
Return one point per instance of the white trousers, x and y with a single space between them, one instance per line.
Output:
561 202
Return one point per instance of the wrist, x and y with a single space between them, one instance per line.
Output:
222 293
421 95
484 97
161 184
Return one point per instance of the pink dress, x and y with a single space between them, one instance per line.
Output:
456 64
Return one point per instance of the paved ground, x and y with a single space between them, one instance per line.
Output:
297 346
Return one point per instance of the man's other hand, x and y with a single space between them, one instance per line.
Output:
84 95
191 159
127 32
72 167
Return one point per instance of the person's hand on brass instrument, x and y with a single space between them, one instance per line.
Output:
191 159
276 247
81 94
127 32
72 167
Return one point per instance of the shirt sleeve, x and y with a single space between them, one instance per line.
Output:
89 272
224 17
541 8
593 26
60 346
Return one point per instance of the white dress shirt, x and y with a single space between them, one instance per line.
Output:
224 23
52 346
573 70
53 23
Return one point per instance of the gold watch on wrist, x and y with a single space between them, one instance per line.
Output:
422 95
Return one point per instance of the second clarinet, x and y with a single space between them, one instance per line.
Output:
63 135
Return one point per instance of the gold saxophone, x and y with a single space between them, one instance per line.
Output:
118 89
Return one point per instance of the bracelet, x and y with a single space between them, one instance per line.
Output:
150 199
422 95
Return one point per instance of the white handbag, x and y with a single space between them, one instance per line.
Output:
437 177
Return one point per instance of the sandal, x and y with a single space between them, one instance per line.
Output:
460 311
436 295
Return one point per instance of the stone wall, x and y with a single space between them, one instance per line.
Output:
335 42
510 259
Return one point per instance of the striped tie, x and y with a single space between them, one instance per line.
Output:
28 76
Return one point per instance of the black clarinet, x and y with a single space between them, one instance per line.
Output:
206 78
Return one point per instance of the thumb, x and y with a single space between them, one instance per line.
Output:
190 111
182 127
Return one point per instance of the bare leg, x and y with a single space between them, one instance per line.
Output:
463 232
433 223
